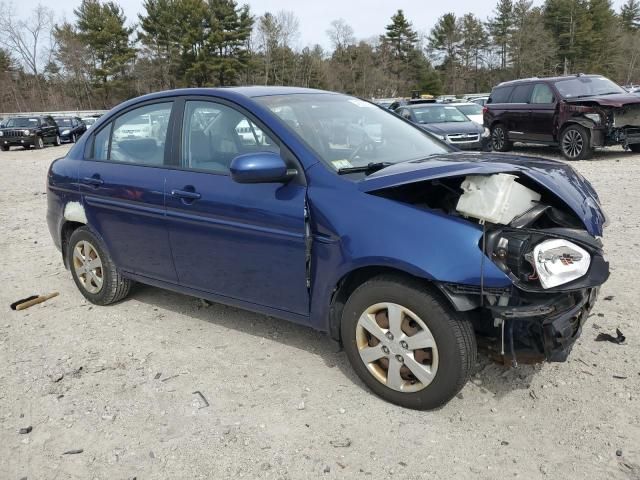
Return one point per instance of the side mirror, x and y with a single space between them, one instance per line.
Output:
263 167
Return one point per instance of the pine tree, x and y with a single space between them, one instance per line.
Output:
500 28
630 15
400 36
101 26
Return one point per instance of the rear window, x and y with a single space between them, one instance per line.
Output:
500 95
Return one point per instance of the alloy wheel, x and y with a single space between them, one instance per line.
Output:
397 347
88 266
572 143
498 138
40 142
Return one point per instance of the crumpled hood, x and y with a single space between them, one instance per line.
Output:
450 127
558 178
617 100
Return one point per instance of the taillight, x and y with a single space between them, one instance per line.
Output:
484 109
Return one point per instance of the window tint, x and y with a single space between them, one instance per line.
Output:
214 134
501 95
139 136
521 94
541 94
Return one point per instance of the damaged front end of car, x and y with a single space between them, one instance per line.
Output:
541 226
610 122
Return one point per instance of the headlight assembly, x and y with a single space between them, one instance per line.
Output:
26 132
66 132
559 261
594 117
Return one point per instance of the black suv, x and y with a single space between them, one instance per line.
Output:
29 131
576 113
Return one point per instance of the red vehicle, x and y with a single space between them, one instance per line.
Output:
577 113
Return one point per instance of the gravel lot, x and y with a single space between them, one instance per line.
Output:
117 381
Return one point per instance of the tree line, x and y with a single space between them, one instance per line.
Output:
98 59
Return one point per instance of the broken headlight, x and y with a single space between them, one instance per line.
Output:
559 261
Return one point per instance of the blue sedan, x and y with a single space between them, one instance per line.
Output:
328 211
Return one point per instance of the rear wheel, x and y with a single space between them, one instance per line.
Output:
499 140
635 148
406 344
575 143
94 273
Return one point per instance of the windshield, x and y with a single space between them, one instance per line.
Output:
471 109
89 121
63 122
346 132
587 86
438 114
22 122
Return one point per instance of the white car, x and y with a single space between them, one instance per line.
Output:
89 121
472 110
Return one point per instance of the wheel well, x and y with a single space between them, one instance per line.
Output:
349 283
65 234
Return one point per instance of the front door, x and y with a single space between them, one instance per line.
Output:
122 184
241 241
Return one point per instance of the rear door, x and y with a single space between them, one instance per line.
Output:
240 241
519 114
122 183
543 107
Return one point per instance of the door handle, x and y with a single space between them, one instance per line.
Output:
94 181
185 194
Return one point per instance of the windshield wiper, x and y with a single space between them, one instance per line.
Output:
369 168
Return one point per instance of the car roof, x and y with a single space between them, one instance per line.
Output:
420 105
545 79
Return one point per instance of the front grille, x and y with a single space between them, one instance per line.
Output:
14 133
463 137
475 290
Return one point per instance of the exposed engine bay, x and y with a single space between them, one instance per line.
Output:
611 125
555 264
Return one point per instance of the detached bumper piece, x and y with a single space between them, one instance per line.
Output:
546 330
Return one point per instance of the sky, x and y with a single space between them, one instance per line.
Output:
368 18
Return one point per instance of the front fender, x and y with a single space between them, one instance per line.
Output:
367 230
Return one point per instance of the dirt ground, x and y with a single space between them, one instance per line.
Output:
118 382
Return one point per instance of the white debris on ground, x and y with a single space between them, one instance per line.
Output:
109 391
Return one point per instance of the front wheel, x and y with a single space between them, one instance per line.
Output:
39 143
635 148
4 148
94 273
406 344
57 142
575 143
499 140
73 138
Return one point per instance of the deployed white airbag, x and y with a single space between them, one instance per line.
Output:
495 198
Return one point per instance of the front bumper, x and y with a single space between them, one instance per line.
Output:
546 329
18 141
483 144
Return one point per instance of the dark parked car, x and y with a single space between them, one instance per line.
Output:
577 113
448 124
29 131
409 101
394 243
71 128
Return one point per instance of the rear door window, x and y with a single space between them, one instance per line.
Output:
521 94
500 95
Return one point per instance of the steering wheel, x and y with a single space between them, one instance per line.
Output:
367 142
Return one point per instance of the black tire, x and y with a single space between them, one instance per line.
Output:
74 138
575 143
4 148
499 140
115 287
39 143
635 148
56 141
452 332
